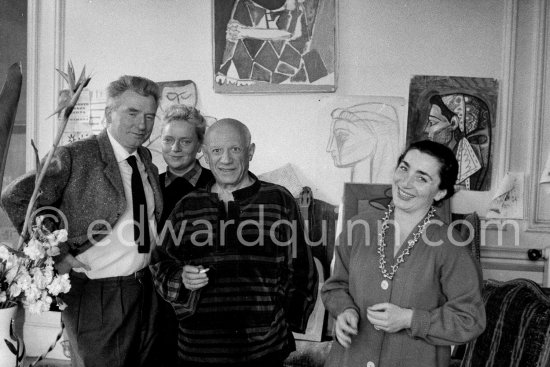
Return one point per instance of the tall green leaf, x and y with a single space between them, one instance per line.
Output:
9 98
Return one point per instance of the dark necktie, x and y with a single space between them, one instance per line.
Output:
141 224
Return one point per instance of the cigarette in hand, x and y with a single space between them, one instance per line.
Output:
203 270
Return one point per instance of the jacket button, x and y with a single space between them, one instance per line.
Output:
370 364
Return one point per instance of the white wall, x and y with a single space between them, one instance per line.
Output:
382 43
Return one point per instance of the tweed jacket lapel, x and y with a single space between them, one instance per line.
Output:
111 170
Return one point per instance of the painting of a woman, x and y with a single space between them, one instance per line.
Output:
364 137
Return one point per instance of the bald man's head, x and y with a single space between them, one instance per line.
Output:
230 124
228 150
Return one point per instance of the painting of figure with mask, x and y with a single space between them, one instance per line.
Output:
458 112
274 45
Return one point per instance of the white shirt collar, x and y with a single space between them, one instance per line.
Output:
121 154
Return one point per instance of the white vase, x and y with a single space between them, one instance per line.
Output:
7 358
40 331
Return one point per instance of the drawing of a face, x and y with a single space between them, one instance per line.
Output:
439 128
350 142
462 123
184 94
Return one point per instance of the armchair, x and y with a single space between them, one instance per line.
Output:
518 327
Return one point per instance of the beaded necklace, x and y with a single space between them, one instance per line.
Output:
406 252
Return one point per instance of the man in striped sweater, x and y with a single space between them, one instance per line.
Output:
234 263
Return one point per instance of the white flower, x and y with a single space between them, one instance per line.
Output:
30 275
11 274
34 250
59 284
38 307
24 279
13 261
61 235
48 274
32 293
4 253
15 290
57 236
39 278
53 251
52 241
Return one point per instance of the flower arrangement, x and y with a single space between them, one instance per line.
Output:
28 276
27 272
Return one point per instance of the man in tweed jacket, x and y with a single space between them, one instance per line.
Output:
111 313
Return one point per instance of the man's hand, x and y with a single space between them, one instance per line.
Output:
346 326
194 277
70 262
389 317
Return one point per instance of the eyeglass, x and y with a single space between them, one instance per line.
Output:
181 142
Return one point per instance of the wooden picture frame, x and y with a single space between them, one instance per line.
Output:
274 46
459 112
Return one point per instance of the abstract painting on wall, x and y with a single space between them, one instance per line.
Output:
458 112
270 46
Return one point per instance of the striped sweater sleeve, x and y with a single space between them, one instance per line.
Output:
167 269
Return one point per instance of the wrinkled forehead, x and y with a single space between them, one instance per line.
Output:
225 135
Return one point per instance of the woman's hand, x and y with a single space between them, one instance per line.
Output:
346 326
194 277
389 317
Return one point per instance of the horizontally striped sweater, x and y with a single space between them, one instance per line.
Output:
259 290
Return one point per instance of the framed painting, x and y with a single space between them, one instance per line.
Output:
274 46
459 112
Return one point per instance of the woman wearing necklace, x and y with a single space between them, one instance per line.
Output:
404 287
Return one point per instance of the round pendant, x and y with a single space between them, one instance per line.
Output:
384 285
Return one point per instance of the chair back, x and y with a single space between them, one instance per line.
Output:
518 327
